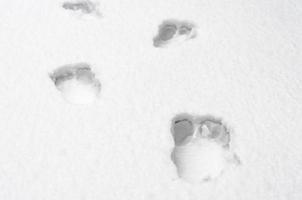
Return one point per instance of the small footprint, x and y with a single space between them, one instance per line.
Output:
82 6
174 31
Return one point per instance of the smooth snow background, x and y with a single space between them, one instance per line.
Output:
244 66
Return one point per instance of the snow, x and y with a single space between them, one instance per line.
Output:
244 65
200 161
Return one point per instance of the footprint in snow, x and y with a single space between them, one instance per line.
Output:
82 7
201 151
77 83
172 32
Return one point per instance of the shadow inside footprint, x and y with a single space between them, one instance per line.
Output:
166 31
182 127
68 72
84 6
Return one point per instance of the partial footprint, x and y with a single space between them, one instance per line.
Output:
82 7
201 151
77 83
173 31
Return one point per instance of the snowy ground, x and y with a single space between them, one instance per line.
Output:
244 66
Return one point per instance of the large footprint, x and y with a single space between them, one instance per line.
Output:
201 151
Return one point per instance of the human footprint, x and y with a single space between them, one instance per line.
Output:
77 83
174 31
82 7
201 151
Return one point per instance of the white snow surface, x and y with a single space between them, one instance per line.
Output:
245 66
200 161
79 92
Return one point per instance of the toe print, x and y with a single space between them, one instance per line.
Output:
166 32
182 128
77 83
201 151
185 29
213 129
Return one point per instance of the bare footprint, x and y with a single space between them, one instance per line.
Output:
82 6
77 83
173 31
201 151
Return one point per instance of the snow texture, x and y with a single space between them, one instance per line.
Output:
244 66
